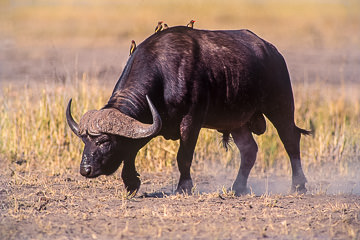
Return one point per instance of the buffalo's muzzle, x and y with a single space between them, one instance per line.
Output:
85 170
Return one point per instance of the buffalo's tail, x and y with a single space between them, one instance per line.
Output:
305 132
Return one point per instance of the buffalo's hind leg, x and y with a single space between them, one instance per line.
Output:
290 135
248 149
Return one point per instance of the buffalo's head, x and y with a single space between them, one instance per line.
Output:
109 137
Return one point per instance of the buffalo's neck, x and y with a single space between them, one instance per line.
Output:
130 101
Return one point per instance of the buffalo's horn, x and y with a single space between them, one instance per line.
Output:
72 124
157 124
112 121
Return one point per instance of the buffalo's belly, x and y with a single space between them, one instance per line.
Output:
226 121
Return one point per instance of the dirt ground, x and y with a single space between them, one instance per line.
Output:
71 207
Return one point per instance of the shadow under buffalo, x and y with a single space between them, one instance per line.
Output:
155 195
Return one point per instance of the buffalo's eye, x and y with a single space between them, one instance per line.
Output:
102 141
105 147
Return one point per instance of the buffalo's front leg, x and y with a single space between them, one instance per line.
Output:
188 136
130 176
248 149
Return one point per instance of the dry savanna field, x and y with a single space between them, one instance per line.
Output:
51 51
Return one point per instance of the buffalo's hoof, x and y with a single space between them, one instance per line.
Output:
132 185
240 191
298 184
184 186
300 188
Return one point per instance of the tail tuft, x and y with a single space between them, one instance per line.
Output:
305 132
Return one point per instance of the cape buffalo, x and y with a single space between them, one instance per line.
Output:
180 80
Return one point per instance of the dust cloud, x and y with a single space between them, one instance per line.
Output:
325 180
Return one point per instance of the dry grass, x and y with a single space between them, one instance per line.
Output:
35 134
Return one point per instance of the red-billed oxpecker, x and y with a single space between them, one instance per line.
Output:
191 24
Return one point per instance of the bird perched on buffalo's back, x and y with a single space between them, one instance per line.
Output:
165 26
191 24
133 47
159 27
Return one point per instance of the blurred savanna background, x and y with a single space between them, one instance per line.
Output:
52 50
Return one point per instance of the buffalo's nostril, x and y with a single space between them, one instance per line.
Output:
85 170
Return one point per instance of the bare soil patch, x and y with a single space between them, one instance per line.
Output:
35 206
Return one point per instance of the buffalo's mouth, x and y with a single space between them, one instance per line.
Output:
90 171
